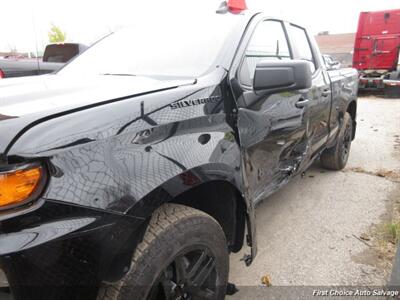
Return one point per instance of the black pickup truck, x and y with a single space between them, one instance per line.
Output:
54 58
133 176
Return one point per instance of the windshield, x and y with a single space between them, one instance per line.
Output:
165 48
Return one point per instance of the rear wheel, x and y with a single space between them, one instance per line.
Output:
335 158
183 255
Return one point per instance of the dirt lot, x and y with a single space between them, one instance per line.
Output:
333 228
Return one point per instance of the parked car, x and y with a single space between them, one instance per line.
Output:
330 62
133 176
54 57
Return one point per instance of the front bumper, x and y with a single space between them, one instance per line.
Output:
62 251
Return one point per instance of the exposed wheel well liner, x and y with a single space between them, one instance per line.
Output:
222 201
352 110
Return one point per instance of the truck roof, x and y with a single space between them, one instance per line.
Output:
377 40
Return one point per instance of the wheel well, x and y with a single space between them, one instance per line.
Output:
224 203
352 110
220 199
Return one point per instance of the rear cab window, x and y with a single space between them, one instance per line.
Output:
60 53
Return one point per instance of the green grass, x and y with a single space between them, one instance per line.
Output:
393 230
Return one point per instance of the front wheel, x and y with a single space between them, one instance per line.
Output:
183 255
335 158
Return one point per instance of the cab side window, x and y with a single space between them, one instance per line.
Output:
302 44
268 42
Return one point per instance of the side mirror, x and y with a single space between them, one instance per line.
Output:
335 65
331 63
282 76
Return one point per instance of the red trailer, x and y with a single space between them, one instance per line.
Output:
376 51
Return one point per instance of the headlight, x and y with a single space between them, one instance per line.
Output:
21 185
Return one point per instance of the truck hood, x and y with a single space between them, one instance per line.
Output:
27 100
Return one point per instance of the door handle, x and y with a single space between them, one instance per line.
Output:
302 103
326 92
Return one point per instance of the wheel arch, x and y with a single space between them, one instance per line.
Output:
352 110
217 193
224 202
215 189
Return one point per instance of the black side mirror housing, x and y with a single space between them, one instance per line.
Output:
282 76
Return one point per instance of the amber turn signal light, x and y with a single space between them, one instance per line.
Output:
18 186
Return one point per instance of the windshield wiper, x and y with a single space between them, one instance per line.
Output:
154 76
117 74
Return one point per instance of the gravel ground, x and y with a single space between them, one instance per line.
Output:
308 232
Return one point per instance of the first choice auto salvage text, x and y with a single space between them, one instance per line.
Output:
356 292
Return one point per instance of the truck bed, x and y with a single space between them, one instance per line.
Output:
18 68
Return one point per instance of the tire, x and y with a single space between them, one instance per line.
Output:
180 242
335 158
